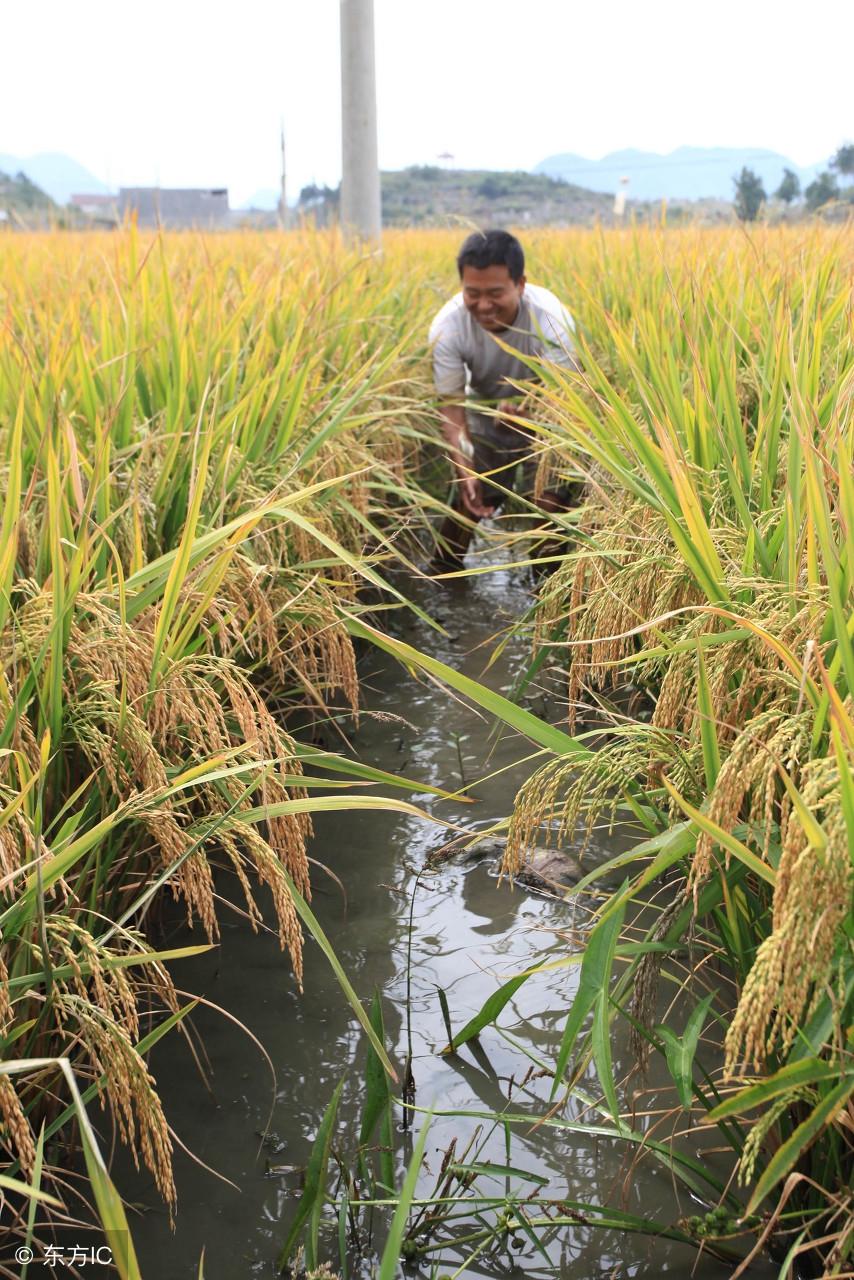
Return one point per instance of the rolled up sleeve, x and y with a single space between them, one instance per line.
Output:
449 370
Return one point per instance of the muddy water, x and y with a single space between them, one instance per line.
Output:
469 933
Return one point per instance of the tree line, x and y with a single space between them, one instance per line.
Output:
750 193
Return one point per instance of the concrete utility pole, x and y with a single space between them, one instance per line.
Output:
361 215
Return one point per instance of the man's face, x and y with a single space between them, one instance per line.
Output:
491 297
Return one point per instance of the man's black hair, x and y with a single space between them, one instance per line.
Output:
492 249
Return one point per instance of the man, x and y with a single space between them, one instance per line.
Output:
470 365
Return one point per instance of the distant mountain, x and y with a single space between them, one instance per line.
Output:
688 173
19 196
426 195
57 174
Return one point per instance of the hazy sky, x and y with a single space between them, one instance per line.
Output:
186 93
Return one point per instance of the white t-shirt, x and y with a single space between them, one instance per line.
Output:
468 361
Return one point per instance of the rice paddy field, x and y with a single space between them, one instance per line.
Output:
220 475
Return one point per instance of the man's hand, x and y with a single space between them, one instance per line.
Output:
471 495
520 407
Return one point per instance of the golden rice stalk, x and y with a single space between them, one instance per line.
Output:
812 898
5 1002
564 791
15 1132
109 988
126 1084
771 741
133 736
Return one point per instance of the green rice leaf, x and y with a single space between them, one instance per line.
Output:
313 1197
593 986
488 1012
679 1050
391 1253
724 838
313 925
788 1153
793 1076
543 734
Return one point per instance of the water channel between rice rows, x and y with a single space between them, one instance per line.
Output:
470 933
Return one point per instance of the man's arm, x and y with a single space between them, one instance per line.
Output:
453 424
449 378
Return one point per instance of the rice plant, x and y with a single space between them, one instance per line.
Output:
710 566
714 420
209 454
202 452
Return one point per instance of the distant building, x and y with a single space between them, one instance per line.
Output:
92 203
95 205
175 206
